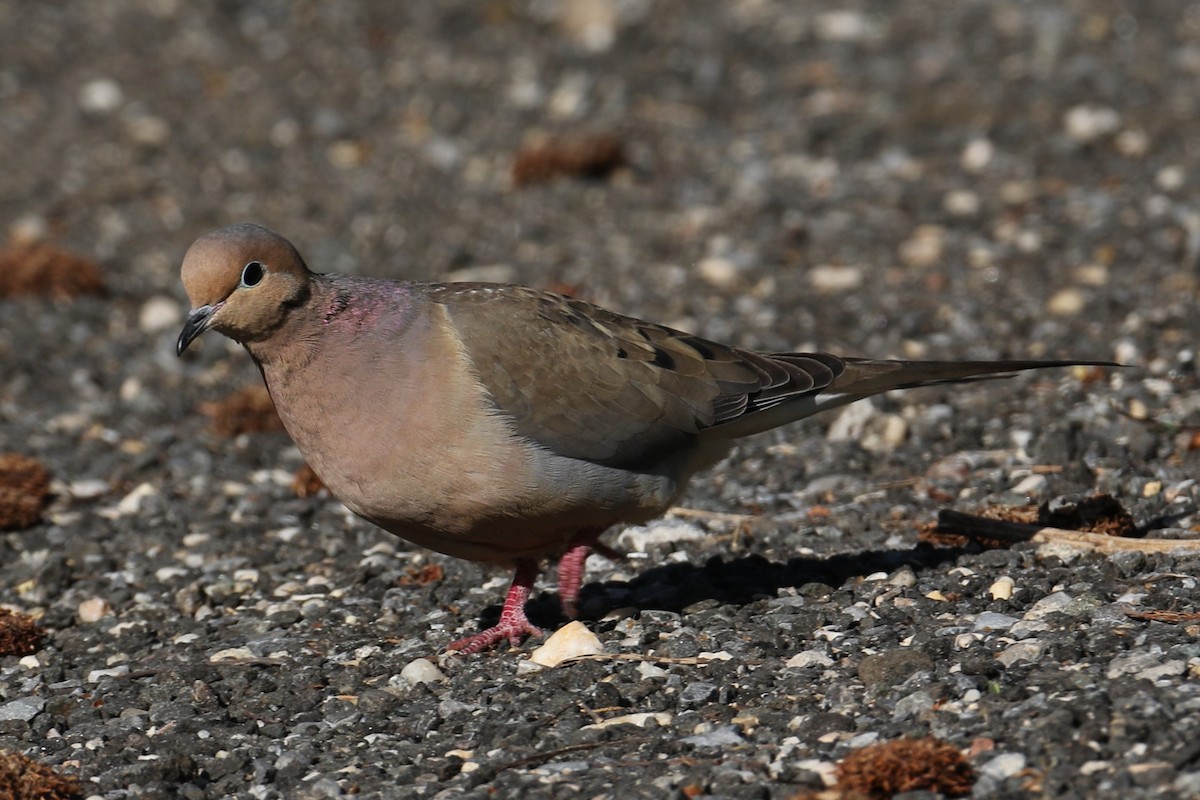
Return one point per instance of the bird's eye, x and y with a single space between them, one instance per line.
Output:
252 273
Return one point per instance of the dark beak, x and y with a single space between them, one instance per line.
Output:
196 324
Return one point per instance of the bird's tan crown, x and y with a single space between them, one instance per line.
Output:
249 279
212 267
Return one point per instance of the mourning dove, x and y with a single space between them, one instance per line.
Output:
499 423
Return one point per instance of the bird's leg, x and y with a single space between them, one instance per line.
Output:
571 567
513 623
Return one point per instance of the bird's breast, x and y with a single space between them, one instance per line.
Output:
414 444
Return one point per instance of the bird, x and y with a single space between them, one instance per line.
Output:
500 423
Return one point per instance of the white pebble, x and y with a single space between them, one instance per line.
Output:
640 538
1087 123
835 278
421 670
977 154
232 654
1091 274
101 96
1132 143
924 248
1170 178
1049 604
843 25
160 313
28 229
570 641
851 424
1066 302
1005 765
809 658
647 670
88 488
1002 589
94 609
591 23
640 720
1030 486
719 272
95 675
961 203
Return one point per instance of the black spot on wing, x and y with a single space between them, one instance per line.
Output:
663 359
702 348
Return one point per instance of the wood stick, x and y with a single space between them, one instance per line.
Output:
958 523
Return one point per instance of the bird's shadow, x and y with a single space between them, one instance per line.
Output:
733 582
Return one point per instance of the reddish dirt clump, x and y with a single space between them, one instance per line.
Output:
906 765
570 156
40 269
20 635
22 778
24 490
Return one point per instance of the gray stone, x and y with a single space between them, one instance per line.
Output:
23 708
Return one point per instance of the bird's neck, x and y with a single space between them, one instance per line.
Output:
341 311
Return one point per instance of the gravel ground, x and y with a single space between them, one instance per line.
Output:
917 178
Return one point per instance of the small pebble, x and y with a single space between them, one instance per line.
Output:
1170 178
726 736
592 24
160 313
640 538
232 654
1030 486
647 671
843 25
94 610
835 278
1002 588
977 154
23 709
719 272
95 675
961 203
1066 302
1049 604
422 670
697 693
101 96
991 621
1030 650
640 720
1087 123
809 658
570 641
1005 765
88 488
924 248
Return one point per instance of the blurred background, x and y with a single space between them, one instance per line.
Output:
864 166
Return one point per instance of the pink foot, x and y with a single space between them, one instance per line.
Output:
513 623
571 567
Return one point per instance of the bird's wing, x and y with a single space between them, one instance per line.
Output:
588 383
592 384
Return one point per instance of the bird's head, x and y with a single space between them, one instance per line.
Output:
242 282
